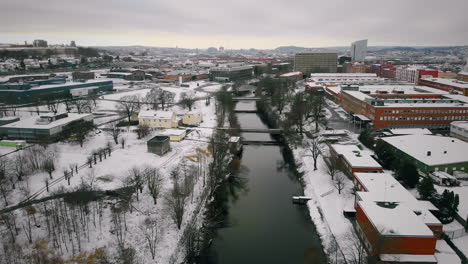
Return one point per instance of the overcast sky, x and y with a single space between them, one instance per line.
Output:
235 24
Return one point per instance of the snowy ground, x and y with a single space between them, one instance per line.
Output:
112 171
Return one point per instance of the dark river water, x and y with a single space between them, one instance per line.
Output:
262 224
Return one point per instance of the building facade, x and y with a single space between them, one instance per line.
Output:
83 75
192 119
459 129
413 73
315 62
39 43
231 72
359 50
157 119
402 107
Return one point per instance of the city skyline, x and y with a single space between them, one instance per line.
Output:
207 23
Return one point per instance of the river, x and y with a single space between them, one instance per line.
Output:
261 223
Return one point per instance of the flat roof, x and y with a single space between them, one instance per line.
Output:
358 95
408 258
356 157
443 150
30 122
410 131
171 132
394 219
451 82
460 124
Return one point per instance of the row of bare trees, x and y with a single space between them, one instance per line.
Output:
34 159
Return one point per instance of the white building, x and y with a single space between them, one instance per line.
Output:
359 50
157 119
459 129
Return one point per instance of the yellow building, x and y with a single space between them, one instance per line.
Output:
174 135
157 119
192 119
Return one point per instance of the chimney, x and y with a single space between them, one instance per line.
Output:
445 152
428 153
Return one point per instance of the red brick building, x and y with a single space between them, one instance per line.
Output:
394 226
354 159
449 85
404 107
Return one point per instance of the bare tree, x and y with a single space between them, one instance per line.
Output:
316 107
48 165
20 166
5 179
142 131
114 131
356 253
165 98
46 182
333 165
315 150
154 180
150 230
339 182
129 105
135 178
176 203
218 166
82 105
188 100
119 227
122 142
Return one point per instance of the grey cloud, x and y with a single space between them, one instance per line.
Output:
410 22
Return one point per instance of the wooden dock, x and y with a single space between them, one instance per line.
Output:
301 199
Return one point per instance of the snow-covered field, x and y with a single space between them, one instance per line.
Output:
112 172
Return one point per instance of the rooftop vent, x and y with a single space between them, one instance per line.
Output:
428 153
445 152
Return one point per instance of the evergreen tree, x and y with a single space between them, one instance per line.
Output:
426 188
408 173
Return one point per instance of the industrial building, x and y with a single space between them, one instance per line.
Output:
449 85
431 153
402 106
57 87
316 62
46 127
231 72
391 221
83 75
354 159
459 129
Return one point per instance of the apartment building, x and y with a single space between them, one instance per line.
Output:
313 62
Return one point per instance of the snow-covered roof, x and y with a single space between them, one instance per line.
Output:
383 187
153 114
410 131
408 258
393 219
460 124
289 74
31 122
358 95
171 132
431 150
451 82
342 75
355 156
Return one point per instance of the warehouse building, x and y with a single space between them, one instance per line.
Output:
431 153
46 127
231 72
30 92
